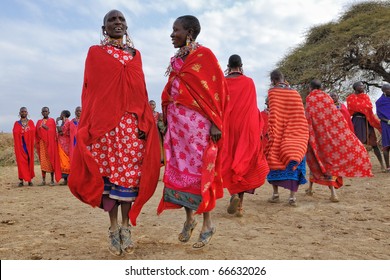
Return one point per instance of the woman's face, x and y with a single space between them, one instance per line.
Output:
179 34
45 112
23 113
115 25
77 112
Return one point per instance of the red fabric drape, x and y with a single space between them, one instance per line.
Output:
111 89
334 150
25 161
347 116
287 128
202 88
49 137
361 103
244 164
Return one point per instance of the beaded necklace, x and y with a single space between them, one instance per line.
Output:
117 43
182 52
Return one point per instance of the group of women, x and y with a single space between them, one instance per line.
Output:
214 135
54 145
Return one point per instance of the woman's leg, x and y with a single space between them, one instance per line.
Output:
240 211
275 195
292 199
113 232
206 233
125 231
386 156
378 155
333 195
188 227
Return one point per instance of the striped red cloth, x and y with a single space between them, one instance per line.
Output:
287 128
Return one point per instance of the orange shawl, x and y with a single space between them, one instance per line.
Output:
361 103
287 128
110 90
244 164
49 137
203 88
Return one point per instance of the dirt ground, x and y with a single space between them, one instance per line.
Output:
49 223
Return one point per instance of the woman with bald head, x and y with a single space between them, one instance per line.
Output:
116 158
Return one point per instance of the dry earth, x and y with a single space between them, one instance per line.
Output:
49 223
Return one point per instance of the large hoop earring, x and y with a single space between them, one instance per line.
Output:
129 42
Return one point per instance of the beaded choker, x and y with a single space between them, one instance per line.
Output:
182 52
186 50
117 43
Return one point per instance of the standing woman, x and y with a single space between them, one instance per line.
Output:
288 133
193 104
64 145
24 138
47 147
116 160
244 165
364 120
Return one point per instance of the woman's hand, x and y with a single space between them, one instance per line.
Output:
215 133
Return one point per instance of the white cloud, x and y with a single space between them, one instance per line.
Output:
44 43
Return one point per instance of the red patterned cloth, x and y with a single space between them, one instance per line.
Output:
112 88
333 150
202 88
48 138
24 138
244 164
361 103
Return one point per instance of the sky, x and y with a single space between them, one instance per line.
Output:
43 43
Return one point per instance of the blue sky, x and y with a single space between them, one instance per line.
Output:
43 43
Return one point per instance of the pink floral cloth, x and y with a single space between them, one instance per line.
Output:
185 142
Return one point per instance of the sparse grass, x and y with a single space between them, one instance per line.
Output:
7 154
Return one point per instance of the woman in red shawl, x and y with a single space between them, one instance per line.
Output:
363 119
64 144
116 158
47 147
244 165
193 106
334 151
24 138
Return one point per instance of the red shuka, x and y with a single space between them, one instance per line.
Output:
49 137
287 128
361 103
334 150
202 88
244 164
25 161
110 90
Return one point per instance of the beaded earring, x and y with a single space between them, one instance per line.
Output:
129 42
188 40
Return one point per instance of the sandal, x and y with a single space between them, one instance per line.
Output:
292 202
43 183
52 183
234 201
114 242
204 239
309 192
127 244
30 184
187 230
274 198
20 184
334 198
